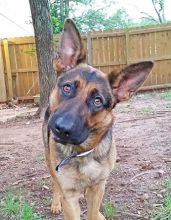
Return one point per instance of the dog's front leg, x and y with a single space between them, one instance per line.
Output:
56 203
70 205
94 196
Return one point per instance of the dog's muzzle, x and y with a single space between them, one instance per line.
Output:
68 129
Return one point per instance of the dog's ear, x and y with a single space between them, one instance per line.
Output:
71 50
127 82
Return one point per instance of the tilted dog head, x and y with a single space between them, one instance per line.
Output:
83 98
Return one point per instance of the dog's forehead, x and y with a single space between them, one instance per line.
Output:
86 73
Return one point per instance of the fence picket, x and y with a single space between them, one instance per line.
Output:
107 51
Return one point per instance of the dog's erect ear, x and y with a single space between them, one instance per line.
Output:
127 82
71 50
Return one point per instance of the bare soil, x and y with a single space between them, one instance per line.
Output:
143 139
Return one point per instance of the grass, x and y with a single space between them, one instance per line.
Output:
125 109
167 184
147 109
110 211
13 207
164 212
166 95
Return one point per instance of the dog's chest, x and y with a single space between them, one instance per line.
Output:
82 176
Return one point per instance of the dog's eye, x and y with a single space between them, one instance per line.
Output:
67 88
98 101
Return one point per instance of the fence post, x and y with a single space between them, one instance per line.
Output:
89 49
8 68
127 46
3 94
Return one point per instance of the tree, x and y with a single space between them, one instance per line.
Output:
60 10
44 47
159 7
120 19
91 19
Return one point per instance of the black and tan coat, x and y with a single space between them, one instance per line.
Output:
79 120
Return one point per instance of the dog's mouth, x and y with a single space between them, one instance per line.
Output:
68 129
65 141
77 140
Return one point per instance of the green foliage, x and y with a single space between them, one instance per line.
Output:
91 19
166 95
164 213
94 18
145 22
56 24
13 207
147 109
120 19
10 205
27 213
167 183
57 16
110 211
60 10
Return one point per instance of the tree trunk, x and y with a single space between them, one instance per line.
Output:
44 47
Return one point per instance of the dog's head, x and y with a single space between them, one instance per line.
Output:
84 97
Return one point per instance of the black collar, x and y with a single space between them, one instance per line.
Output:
67 159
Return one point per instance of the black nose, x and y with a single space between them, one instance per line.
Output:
64 128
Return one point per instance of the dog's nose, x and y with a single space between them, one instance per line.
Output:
64 127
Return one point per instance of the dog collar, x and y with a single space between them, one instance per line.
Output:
67 159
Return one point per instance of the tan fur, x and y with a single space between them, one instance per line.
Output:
86 174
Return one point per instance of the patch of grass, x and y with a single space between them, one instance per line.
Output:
28 214
10 205
167 183
13 207
124 110
147 109
110 211
164 213
166 95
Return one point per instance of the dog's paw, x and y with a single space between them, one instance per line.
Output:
56 208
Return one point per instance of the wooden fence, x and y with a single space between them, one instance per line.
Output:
107 50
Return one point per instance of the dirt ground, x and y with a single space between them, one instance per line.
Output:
143 139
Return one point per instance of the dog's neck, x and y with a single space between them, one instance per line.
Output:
66 160
68 153
100 147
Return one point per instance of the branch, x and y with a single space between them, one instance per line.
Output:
155 8
149 17
162 2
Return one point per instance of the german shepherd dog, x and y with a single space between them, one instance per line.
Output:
77 129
